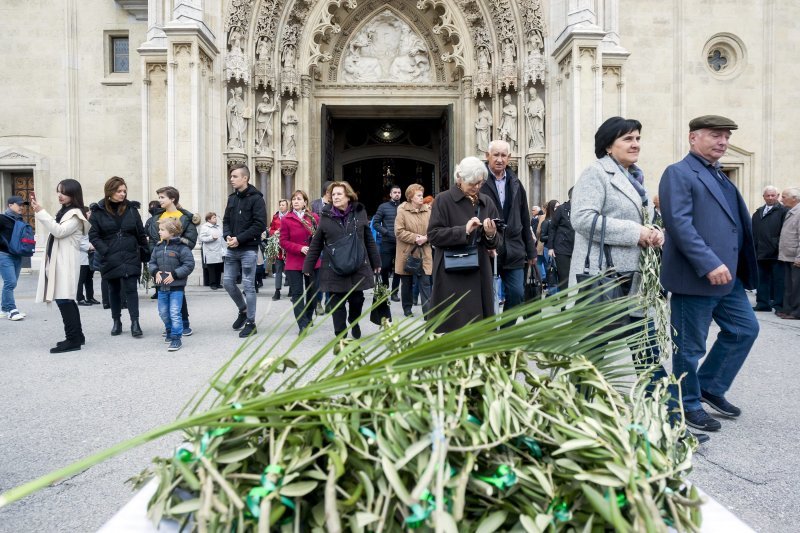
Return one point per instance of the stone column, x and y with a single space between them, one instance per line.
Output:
264 169
288 170
535 163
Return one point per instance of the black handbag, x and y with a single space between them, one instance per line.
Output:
609 284
346 254
413 264
533 285
552 274
463 258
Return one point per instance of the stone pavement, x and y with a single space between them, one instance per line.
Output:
59 408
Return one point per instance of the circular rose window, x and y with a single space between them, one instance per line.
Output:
724 55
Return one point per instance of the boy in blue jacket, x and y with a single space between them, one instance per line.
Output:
170 265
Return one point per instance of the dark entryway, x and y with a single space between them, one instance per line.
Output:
374 147
372 178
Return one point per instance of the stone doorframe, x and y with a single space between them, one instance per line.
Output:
484 49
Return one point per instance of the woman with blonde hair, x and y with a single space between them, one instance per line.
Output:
344 217
411 232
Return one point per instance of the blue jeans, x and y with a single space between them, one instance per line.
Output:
10 266
244 262
691 318
170 302
513 286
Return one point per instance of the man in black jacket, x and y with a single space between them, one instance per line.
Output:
508 194
244 221
563 240
767 223
383 222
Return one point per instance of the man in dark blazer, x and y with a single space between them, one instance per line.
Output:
709 260
767 224
508 195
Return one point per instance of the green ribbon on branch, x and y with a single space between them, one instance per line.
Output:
503 479
531 444
186 456
560 510
372 438
256 494
421 511
474 420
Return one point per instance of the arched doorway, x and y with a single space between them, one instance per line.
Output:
371 178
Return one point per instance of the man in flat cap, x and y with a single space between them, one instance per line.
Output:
709 260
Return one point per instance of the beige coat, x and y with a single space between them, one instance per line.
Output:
58 277
789 247
408 224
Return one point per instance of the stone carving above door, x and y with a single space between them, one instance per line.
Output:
387 49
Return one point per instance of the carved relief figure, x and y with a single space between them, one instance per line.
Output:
483 59
264 113
237 120
235 60
508 53
483 128
288 56
508 124
289 122
386 49
534 116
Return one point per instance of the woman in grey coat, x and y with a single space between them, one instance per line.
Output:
613 187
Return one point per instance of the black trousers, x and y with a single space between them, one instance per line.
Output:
71 316
104 293
387 266
562 265
340 316
86 283
214 274
303 293
791 295
127 286
771 277
423 282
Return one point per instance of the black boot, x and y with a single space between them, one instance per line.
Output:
277 295
136 330
117 328
72 328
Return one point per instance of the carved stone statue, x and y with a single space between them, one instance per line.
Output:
534 117
236 66
483 59
483 128
264 113
508 124
508 52
237 115
386 49
288 56
289 122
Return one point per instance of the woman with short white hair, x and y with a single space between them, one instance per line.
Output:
462 225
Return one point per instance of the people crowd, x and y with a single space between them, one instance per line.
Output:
445 252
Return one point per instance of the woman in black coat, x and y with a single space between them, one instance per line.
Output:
343 216
118 236
462 215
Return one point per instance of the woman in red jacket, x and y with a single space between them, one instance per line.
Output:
297 228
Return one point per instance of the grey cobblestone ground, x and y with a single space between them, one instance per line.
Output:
57 409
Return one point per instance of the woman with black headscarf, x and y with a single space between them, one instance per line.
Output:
58 277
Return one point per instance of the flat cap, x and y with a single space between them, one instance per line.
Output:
712 122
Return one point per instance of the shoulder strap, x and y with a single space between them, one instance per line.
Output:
591 241
477 214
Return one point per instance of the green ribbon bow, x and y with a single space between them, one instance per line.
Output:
503 479
256 494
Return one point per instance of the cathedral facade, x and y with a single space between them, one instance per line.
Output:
173 92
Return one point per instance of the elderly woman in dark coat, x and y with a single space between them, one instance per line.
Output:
117 234
457 215
341 217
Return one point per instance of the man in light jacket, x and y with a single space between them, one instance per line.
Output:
789 254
